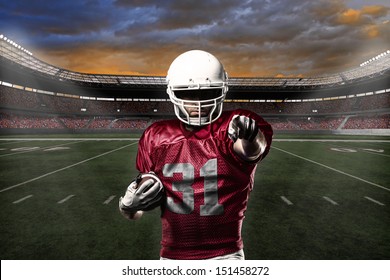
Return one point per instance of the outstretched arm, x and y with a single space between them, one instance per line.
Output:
249 141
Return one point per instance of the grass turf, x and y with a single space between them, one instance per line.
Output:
84 227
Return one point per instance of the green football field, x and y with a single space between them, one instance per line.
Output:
314 198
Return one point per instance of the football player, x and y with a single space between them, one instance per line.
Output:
203 162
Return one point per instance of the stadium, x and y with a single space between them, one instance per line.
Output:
69 141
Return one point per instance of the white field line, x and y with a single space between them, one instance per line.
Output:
330 200
374 153
288 202
12 142
64 168
22 199
108 200
40 149
375 201
65 199
333 169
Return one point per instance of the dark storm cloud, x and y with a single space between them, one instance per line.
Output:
175 14
55 17
252 38
301 37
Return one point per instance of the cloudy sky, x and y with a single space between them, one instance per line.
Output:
264 38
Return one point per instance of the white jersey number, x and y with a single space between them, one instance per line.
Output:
209 173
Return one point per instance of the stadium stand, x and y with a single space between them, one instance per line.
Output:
19 106
358 98
368 122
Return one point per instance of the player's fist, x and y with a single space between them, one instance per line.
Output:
144 194
242 127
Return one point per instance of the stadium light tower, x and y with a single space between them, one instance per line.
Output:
379 56
14 44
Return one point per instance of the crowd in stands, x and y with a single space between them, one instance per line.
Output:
332 123
100 122
368 122
16 98
11 120
29 109
20 99
74 122
18 120
130 124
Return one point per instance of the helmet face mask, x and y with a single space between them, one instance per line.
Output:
197 86
199 110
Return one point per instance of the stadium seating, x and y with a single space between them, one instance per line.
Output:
28 109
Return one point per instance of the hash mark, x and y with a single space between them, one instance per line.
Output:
22 199
108 200
288 202
65 199
375 201
330 200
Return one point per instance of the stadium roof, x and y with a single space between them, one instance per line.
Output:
12 53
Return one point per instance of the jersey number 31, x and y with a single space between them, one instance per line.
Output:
209 172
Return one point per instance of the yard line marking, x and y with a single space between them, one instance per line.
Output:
288 202
330 200
65 199
22 199
108 200
364 150
333 169
40 149
375 201
64 168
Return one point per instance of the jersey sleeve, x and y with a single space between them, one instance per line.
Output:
143 160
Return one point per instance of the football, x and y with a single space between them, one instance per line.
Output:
142 178
134 216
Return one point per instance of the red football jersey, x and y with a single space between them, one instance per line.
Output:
206 185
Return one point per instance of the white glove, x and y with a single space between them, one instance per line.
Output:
142 194
242 127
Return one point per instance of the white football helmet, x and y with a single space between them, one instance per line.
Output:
197 86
